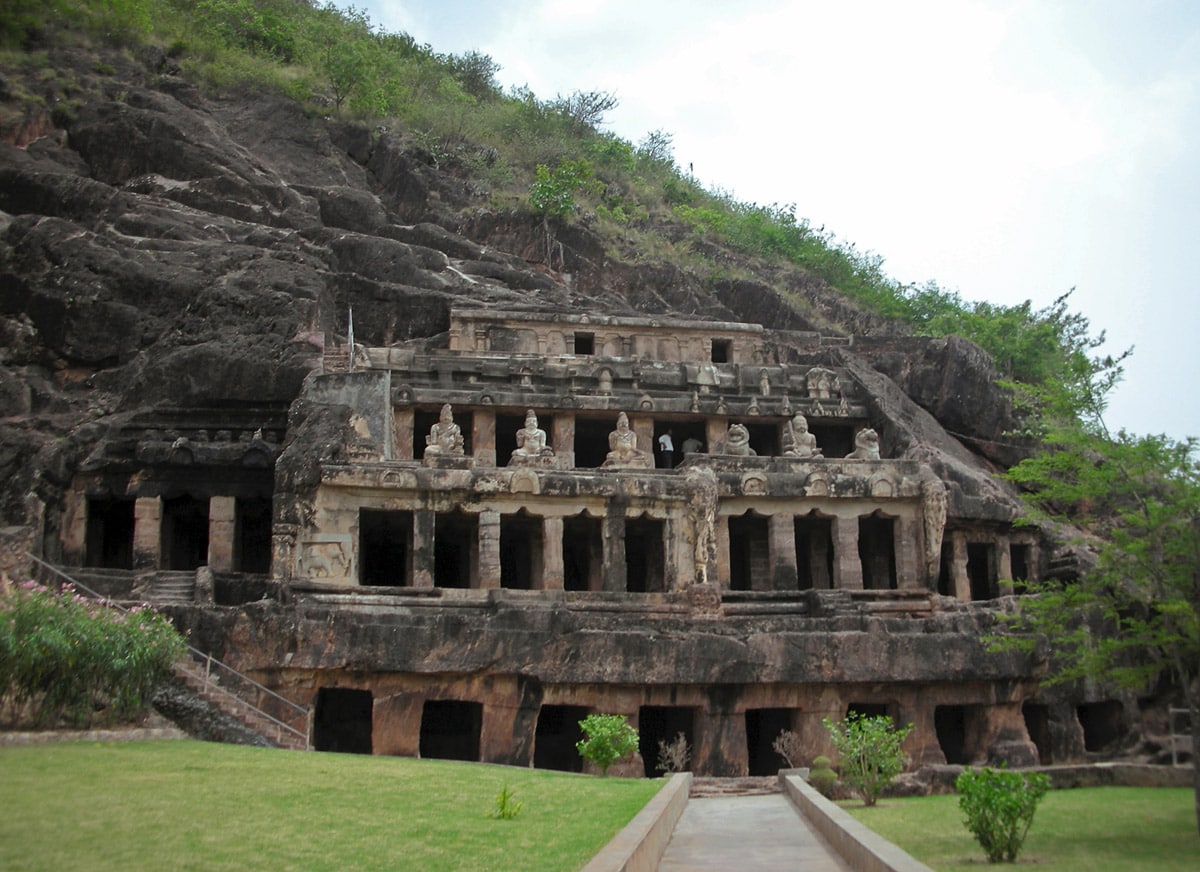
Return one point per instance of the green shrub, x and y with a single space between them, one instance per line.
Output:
607 739
822 777
999 807
869 752
64 658
507 805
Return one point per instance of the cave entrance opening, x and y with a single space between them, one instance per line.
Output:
763 727
591 441
385 548
109 534
583 558
556 735
814 552
456 549
342 720
450 729
1101 723
184 533
749 552
877 551
662 723
1037 724
521 551
981 570
645 555
252 535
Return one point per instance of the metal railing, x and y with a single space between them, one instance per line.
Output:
214 669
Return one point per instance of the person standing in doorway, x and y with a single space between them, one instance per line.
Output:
666 450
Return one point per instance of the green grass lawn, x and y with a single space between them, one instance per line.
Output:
1094 828
200 806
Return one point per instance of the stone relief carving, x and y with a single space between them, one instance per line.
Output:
737 442
445 438
702 515
933 498
822 384
866 445
797 441
325 557
754 484
623 450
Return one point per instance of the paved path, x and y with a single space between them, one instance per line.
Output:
746 833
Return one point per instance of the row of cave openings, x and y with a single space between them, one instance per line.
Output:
184 533
385 551
591 435
451 729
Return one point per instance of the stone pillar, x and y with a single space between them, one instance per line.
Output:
847 565
489 549
906 542
612 532
147 533
74 528
720 745
1004 565
959 579
720 573
716 428
552 554
222 527
402 432
396 725
781 537
483 437
563 439
423 550
643 428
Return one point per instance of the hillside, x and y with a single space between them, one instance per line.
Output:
168 244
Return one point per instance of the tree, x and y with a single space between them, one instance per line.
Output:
586 108
607 739
1135 615
869 754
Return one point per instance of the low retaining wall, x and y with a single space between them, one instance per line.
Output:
861 848
640 845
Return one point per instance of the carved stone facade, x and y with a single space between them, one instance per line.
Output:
471 549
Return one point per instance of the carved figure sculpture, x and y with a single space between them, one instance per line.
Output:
866 445
737 442
702 512
822 383
933 498
445 438
622 444
531 441
797 441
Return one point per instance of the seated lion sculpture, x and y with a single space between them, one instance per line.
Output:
866 445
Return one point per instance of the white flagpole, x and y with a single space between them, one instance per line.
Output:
350 329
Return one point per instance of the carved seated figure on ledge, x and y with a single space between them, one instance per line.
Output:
623 450
531 443
737 442
866 445
797 441
445 438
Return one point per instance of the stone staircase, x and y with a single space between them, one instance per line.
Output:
165 586
205 686
747 785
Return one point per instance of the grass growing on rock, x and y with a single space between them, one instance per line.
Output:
204 806
1091 829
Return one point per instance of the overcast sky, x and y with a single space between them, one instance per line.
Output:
1006 149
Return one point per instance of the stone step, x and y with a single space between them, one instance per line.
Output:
749 785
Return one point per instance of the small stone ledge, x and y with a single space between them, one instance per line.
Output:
640 845
133 734
861 848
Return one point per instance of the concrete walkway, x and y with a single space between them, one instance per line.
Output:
747 833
